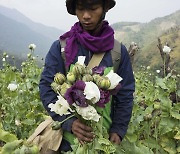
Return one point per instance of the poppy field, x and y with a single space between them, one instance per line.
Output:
154 127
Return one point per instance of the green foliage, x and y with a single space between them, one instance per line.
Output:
146 34
154 126
21 110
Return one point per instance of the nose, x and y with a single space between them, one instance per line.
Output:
86 15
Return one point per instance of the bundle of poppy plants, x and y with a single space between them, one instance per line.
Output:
84 93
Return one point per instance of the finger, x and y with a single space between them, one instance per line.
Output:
83 138
78 123
85 128
85 134
78 130
81 142
115 140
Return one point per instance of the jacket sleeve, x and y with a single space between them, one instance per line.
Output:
123 101
53 64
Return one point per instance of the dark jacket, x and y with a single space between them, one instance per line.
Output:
122 103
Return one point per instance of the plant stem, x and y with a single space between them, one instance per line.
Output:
156 132
164 65
57 125
67 118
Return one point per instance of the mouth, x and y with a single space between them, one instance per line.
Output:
87 25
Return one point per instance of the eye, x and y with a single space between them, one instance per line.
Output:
94 8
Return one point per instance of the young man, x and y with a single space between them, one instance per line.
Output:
89 36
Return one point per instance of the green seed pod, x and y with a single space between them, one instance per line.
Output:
105 83
56 87
4 54
156 105
14 69
23 75
29 55
59 78
64 88
71 77
96 77
56 125
87 78
147 117
98 81
88 71
78 70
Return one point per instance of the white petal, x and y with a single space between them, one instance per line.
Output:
12 86
88 113
158 71
92 92
61 106
166 49
81 60
114 79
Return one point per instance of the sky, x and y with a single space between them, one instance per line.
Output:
53 12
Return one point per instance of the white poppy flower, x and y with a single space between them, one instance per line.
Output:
148 67
91 91
12 86
88 113
17 122
4 59
158 71
81 60
166 49
61 106
114 79
32 46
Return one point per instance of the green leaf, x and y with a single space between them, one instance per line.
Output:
168 145
160 82
166 125
28 122
178 93
10 147
177 136
107 70
131 137
6 136
175 111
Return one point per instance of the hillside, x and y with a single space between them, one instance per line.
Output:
146 35
47 31
17 32
143 33
151 52
15 38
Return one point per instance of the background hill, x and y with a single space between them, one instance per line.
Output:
146 36
18 31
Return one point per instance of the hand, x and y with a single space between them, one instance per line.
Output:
114 138
82 132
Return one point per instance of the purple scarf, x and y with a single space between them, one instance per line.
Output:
101 42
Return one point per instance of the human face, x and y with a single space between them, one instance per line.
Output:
89 15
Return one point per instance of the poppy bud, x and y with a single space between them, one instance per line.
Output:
105 83
59 78
78 70
71 77
87 78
